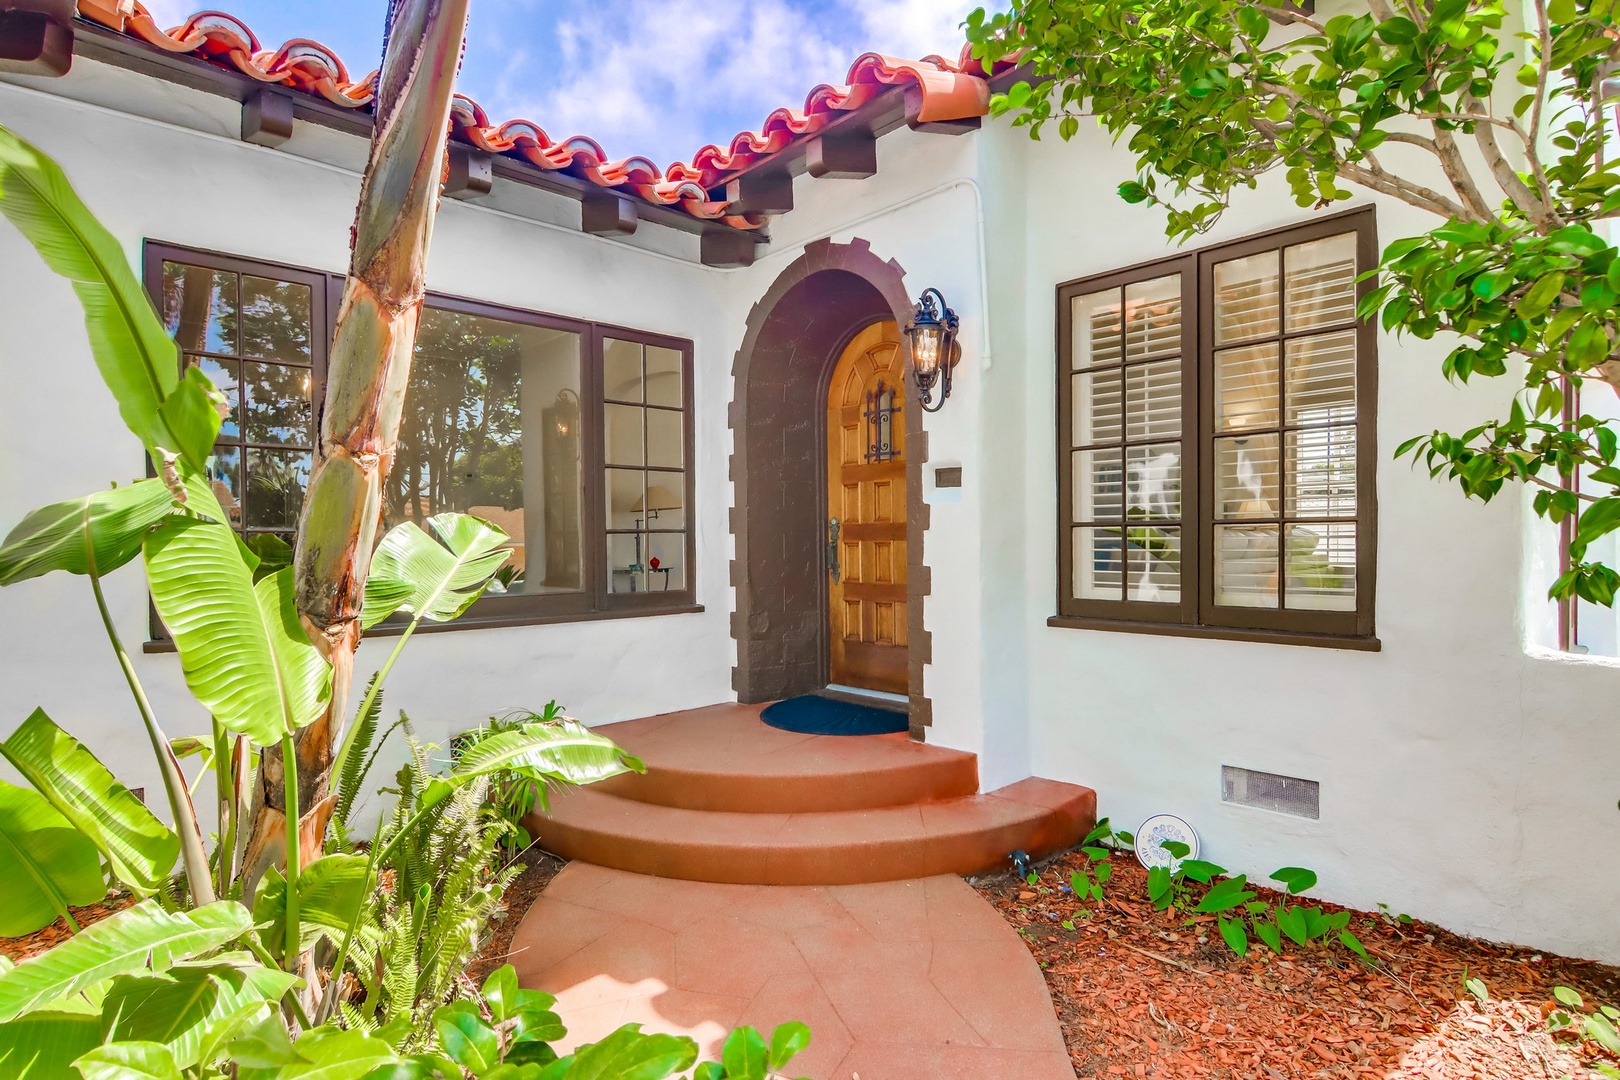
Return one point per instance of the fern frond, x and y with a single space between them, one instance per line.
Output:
356 764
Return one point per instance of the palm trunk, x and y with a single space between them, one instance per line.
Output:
369 369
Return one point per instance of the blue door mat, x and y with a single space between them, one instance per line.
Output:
812 714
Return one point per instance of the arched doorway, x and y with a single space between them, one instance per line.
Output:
795 335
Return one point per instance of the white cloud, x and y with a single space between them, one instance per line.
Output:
914 28
663 77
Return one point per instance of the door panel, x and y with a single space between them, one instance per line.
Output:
866 493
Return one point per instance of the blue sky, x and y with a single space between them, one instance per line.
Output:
658 78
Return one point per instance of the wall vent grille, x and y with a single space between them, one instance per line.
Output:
1269 791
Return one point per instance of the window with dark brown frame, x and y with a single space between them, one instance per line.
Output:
573 437
1216 441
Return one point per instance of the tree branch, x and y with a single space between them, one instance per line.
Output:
1540 213
1462 180
1543 62
1416 195
1288 15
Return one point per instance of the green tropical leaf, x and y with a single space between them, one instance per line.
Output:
500 992
1267 931
330 890
179 1008
445 578
129 1061
273 554
628 1054
383 597
54 537
1296 879
745 1055
1233 934
46 863
140 848
140 938
1291 921
44 1045
470 1042
244 654
217 1034
137 359
329 1053
561 751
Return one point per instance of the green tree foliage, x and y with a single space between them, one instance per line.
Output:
1492 123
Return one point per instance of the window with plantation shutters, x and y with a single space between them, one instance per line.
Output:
1217 460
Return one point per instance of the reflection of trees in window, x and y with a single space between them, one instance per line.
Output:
460 442
253 337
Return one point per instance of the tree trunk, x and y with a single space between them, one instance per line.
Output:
369 370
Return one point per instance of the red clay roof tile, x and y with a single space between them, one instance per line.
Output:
951 90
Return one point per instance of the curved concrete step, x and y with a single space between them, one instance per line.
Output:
966 835
722 758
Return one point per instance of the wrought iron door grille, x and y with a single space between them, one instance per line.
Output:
880 413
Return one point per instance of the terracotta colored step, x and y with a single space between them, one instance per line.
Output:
964 835
725 758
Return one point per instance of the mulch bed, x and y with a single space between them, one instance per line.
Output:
539 868
1141 993
21 948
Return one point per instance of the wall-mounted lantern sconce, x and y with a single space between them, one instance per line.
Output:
934 351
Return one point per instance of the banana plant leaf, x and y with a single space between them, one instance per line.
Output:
143 938
139 847
138 360
46 863
383 597
44 1045
54 537
445 578
130 1061
243 652
562 751
180 1008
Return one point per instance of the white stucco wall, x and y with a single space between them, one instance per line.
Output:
1465 778
60 435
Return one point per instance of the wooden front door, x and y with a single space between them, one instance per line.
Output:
866 507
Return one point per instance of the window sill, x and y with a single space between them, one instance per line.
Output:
492 622
1221 633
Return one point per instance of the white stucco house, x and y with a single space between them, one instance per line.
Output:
1154 542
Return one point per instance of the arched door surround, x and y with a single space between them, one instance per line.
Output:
781 374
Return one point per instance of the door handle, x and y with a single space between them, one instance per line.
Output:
832 549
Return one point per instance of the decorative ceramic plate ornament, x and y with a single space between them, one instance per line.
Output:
1152 834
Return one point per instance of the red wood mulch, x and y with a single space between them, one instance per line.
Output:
539 867
21 948
1140 993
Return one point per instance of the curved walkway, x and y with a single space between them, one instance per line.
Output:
901 980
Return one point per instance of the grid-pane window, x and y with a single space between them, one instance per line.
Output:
1217 464
644 461
573 438
253 335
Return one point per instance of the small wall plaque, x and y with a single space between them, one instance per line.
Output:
948 476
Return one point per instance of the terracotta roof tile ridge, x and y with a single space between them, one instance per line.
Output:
950 90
